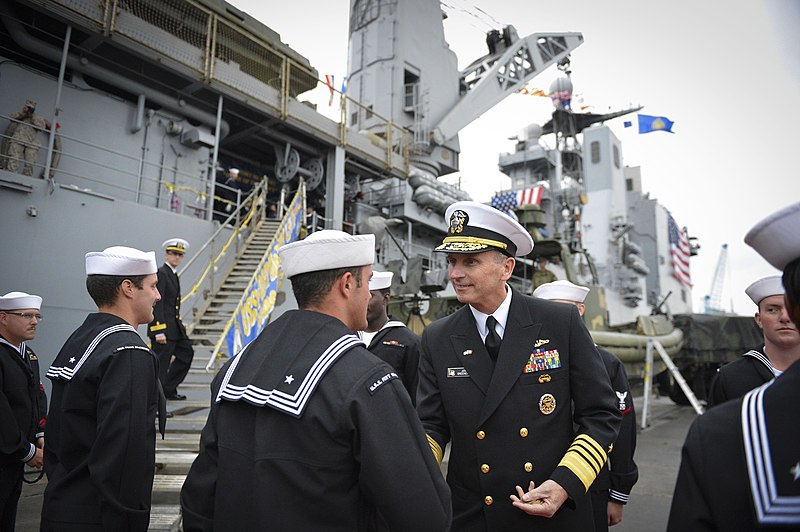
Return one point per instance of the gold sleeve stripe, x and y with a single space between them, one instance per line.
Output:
158 327
584 458
437 450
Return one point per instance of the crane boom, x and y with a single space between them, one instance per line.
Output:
493 77
713 301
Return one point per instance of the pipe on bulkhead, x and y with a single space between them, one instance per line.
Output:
45 49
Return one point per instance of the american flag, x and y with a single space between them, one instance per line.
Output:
679 246
514 199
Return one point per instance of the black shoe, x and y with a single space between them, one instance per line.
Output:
176 397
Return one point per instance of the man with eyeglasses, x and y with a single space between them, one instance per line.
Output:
23 405
781 345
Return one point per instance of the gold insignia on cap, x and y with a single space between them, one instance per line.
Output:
458 220
541 342
545 377
547 404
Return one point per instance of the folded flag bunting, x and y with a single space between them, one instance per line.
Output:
515 199
649 123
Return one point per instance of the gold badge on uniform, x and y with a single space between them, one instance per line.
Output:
541 342
547 403
545 377
458 220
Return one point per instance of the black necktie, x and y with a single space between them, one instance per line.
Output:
492 338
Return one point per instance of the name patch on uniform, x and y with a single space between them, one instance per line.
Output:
393 342
124 347
457 372
541 360
380 382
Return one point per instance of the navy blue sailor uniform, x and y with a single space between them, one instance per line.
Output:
321 430
398 346
739 376
23 413
513 424
740 464
615 482
167 321
100 452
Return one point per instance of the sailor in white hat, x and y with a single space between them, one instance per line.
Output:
306 407
167 332
23 408
508 366
612 488
100 452
390 339
780 350
740 467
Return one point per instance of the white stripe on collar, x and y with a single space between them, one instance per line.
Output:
20 350
761 357
291 404
771 507
66 373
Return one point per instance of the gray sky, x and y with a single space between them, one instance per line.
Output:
727 73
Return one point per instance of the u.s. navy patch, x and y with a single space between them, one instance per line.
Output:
380 382
457 372
541 360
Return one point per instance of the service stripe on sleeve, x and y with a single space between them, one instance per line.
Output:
437 450
584 458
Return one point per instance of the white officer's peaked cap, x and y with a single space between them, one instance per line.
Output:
768 286
564 290
177 245
475 227
121 260
380 280
20 300
327 250
777 237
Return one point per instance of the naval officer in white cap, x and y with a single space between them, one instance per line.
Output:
612 488
100 453
166 331
308 430
23 404
503 380
390 339
781 345
740 466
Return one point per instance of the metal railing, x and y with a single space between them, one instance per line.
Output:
221 251
217 49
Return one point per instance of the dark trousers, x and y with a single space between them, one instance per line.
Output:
10 490
600 509
172 372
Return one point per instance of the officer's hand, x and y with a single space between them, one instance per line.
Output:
38 459
614 513
161 338
543 501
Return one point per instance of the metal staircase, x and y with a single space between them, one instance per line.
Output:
210 322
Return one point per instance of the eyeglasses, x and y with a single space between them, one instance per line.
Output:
25 315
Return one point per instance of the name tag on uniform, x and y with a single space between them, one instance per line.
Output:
457 372
541 360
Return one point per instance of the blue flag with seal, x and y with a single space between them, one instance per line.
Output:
649 123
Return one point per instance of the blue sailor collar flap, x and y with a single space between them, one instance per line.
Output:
67 364
281 372
773 471
761 357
